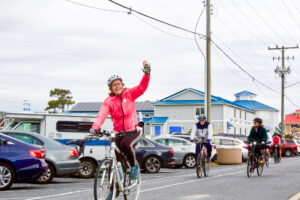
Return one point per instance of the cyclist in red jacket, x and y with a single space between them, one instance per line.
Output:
121 106
276 141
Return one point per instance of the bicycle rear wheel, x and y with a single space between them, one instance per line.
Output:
132 187
276 158
199 169
104 181
205 165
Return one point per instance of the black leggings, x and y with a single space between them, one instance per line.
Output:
127 145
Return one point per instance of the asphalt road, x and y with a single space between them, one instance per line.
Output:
279 182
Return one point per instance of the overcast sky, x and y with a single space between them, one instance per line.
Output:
57 44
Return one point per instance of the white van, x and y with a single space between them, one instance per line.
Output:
63 127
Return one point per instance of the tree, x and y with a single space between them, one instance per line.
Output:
63 100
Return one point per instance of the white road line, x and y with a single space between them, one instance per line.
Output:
208 178
191 181
191 174
161 187
57 195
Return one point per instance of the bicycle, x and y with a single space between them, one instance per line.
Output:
276 154
202 164
255 161
266 158
108 177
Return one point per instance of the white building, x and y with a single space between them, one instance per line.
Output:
177 113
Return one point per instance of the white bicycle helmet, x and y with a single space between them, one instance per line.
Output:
113 78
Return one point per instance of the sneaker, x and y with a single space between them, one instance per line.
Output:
110 196
134 173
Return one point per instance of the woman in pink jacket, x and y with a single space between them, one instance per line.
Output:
121 106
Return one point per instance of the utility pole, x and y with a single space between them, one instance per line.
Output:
208 63
282 72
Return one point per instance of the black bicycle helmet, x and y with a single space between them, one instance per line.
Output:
258 120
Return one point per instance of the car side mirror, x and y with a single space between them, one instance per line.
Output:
3 142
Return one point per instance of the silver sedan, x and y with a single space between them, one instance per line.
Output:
184 151
61 159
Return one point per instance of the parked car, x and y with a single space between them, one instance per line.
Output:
184 151
227 142
153 156
61 159
19 161
185 137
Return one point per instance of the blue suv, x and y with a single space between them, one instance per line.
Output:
19 161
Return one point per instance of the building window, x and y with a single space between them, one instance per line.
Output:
147 115
245 131
245 115
234 130
240 131
67 126
234 113
200 111
240 114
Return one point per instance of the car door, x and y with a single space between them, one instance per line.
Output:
144 149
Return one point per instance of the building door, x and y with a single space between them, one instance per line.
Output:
157 130
175 129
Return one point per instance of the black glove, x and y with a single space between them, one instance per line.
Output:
146 67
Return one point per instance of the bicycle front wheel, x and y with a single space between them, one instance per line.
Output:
132 187
205 164
260 167
104 180
250 166
199 169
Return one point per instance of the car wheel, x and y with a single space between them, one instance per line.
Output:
288 153
152 164
7 176
48 177
189 161
87 168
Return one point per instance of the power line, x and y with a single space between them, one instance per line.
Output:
183 29
158 29
241 68
295 6
102 9
244 25
293 84
291 14
195 36
275 17
240 57
155 19
270 27
255 24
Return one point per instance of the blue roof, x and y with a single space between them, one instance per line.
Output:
215 100
254 105
158 120
244 93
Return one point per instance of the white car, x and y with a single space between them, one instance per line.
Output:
184 150
225 142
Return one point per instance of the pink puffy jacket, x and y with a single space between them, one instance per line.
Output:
122 108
